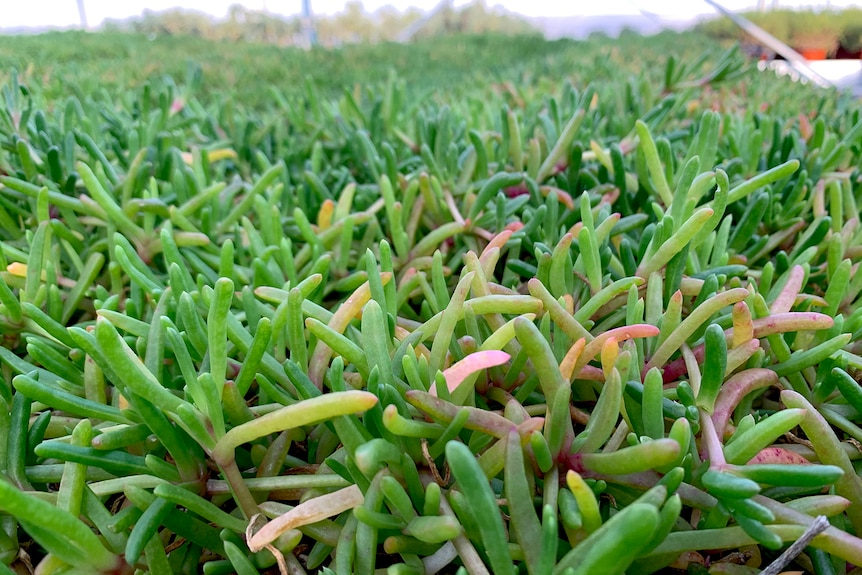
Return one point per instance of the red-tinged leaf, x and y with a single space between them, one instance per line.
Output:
778 455
592 349
498 241
785 300
471 364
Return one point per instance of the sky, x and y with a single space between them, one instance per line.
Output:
64 13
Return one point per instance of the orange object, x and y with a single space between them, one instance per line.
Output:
813 53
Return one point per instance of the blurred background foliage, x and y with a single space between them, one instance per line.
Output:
352 25
834 30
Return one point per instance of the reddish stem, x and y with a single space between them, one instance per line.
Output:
734 389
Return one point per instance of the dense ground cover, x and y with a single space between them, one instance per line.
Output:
248 73
482 305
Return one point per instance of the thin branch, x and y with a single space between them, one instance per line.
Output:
818 526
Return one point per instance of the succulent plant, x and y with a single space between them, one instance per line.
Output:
529 324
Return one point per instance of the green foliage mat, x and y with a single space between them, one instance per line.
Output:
484 305
85 64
